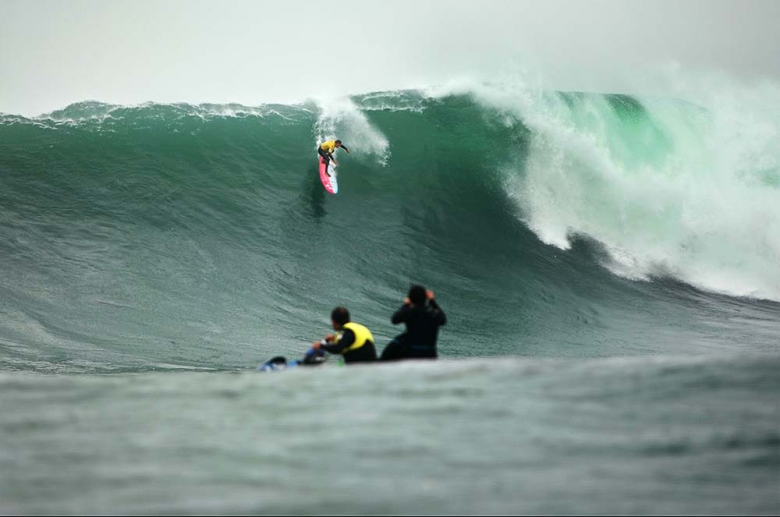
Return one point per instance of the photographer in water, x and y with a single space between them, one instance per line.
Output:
352 340
423 317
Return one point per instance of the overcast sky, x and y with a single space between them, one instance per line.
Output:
55 52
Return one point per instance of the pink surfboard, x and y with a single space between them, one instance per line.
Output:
329 182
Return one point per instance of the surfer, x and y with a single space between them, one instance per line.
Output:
352 340
423 317
326 150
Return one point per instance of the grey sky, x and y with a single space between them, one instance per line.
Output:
53 53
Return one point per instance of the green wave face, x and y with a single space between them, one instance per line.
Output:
548 224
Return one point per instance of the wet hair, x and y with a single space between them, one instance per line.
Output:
338 141
418 295
340 315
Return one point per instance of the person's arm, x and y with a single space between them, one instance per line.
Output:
401 314
345 148
347 340
437 313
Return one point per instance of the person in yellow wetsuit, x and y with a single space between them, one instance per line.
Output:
352 340
326 150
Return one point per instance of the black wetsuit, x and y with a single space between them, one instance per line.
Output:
364 354
326 156
422 332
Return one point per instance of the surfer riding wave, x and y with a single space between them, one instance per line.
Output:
326 150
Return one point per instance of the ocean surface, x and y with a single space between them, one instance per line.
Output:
609 265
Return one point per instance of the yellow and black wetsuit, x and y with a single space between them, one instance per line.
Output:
355 342
326 150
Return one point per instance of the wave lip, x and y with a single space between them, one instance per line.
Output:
669 188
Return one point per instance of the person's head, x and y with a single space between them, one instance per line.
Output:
338 143
418 295
338 317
